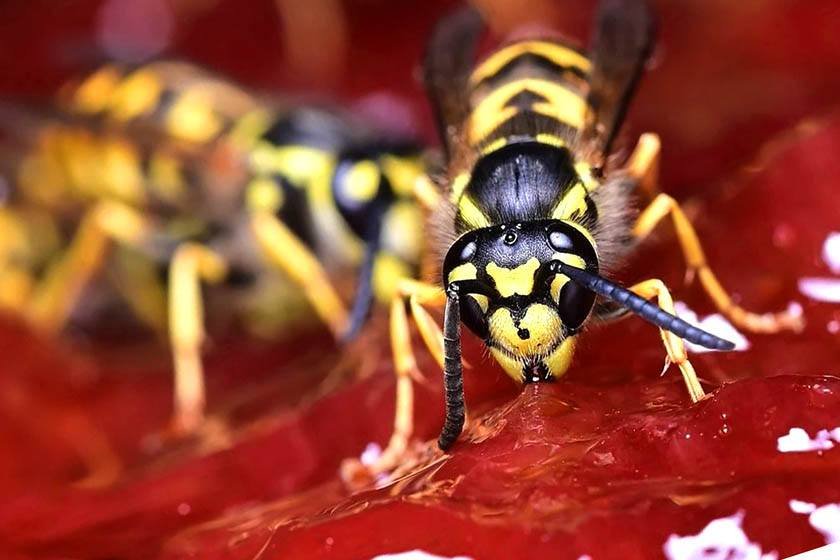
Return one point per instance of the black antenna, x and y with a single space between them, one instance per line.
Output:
640 306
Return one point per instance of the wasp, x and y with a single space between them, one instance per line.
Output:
201 182
538 209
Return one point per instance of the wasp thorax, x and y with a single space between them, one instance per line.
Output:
527 315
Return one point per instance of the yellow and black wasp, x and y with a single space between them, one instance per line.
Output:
537 213
170 168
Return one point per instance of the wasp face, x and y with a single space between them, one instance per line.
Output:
527 317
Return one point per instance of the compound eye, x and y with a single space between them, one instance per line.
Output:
575 304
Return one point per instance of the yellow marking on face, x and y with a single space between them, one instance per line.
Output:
166 178
95 93
558 54
388 271
512 281
584 171
264 194
402 173
458 185
496 144
559 360
471 213
560 280
556 285
551 140
574 201
192 117
562 104
512 366
247 130
361 182
402 231
542 323
465 271
482 301
137 95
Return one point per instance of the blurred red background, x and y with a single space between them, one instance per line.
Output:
744 96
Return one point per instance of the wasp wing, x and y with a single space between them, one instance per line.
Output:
621 45
449 60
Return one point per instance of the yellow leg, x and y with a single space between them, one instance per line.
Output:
55 297
673 344
287 252
643 163
190 265
405 364
662 206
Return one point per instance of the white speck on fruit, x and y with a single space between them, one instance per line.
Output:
797 440
821 289
721 538
825 519
831 251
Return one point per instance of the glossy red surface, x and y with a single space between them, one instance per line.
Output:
609 462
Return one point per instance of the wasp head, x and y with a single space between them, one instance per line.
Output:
527 316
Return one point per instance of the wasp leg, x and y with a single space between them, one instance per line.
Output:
662 206
674 345
286 251
643 164
405 367
56 295
191 264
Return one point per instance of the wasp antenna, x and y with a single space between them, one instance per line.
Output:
642 307
453 379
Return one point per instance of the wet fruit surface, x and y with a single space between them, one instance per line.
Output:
611 462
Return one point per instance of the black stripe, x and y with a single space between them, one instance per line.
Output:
534 59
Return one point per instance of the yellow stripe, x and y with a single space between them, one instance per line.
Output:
573 201
584 171
558 54
458 185
551 140
563 105
496 144
472 214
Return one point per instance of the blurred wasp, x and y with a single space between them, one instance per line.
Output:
537 213
190 174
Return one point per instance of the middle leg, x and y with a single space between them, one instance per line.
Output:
663 206
674 346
